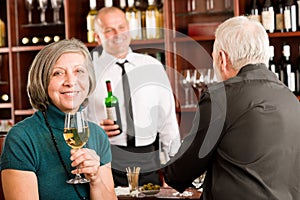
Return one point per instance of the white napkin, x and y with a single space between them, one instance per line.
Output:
122 191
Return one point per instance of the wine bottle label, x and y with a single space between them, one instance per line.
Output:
108 3
287 19
279 21
111 113
294 18
93 4
90 22
2 33
90 36
273 69
255 17
152 30
291 78
298 2
292 82
268 20
134 19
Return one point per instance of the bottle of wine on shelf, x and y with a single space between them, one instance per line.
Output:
4 98
41 40
289 71
112 106
108 3
152 21
122 5
290 16
294 11
36 40
142 6
56 38
160 5
272 66
268 16
90 21
2 33
44 40
298 74
298 16
254 11
280 16
25 41
134 17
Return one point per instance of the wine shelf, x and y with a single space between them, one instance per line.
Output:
175 43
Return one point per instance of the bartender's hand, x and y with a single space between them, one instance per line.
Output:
109 127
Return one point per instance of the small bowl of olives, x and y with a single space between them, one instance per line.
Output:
150 189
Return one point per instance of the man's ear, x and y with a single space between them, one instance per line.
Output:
98 39
223 61
226 67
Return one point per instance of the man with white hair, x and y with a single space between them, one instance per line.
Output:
245 135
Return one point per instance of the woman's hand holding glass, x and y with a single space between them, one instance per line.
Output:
76 134
88 162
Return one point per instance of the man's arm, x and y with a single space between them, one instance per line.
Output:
186 165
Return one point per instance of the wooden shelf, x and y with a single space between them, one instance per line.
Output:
193 39
204 14
284 35
135 42
177 47
186 110
5 105
24 112
27 48
4 49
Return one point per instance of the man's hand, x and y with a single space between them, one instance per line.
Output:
110 127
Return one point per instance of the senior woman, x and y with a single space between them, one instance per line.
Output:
36 161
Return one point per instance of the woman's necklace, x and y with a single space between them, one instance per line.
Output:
60 156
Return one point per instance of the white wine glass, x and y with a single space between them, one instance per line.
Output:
198 182
56 5
43 4
186 84
76 134
29 6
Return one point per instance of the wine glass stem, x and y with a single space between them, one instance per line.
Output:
192 95
29 16
56 15
43 20
77 176
186 91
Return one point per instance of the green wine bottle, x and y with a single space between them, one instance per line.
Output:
112 106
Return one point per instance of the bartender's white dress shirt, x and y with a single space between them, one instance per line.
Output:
152 99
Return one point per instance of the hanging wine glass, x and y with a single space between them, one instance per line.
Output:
56 5
29 6
186 84
76 134
43 4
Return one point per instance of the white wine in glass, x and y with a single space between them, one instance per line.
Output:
76 134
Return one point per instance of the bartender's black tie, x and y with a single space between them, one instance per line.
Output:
128 107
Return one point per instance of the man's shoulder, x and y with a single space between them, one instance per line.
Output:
145 58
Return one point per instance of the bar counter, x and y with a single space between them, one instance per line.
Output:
165 193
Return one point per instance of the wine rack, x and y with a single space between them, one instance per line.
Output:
177 49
